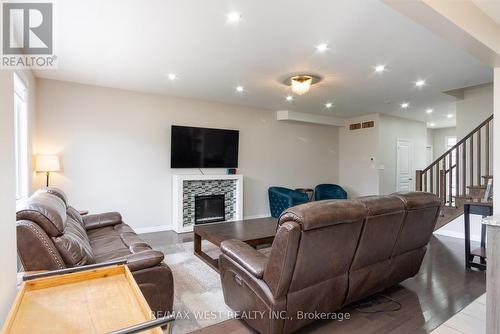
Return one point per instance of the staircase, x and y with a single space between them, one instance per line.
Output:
461 173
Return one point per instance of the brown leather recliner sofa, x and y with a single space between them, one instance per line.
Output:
326 255
53 235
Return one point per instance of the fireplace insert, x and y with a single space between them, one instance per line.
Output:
209 209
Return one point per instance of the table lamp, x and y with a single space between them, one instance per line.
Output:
47 164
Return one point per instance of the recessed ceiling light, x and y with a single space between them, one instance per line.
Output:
380 68
240 89
289 98
233 17
405 105
420 83
322 47
172 76
432 124
328 105
449 115
429 111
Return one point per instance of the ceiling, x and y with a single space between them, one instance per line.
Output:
490 8
134 45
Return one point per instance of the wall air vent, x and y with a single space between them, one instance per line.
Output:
369 124
355 126
364 125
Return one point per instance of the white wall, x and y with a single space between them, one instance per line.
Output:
391 129
115 148
358 174
455 228
361 175
30 82
496 124
476 106
8 258
430 136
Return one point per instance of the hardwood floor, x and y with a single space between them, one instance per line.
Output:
163 238
441 289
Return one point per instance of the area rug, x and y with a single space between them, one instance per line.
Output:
198 299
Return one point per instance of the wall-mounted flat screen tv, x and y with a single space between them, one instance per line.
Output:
203 148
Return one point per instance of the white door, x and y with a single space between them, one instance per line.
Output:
404 168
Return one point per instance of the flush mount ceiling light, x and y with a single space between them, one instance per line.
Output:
449 115
379 68
302 83
432 125
420 83
405 105
240 89
322 47
172 76
328 105
233 17
289 98
429 111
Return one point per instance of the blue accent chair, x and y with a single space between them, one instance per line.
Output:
329 191
281 199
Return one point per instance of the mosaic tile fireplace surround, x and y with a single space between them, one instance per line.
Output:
187 187
193 188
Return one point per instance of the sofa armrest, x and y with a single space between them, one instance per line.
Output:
157 286
246 256
144 259
101 220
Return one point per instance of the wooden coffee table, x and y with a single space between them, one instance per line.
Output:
254 232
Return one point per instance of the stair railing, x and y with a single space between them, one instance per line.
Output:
460 167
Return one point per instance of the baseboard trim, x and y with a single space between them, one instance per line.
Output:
265 215
151 229
458 235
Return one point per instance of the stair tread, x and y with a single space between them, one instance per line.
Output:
480 251
487 176
477 187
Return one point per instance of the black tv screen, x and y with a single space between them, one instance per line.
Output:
203 148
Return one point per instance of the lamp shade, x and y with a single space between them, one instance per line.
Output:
47 163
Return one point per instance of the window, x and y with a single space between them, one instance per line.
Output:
450 142
21 137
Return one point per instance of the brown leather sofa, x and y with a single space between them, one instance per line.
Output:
326 255
53 235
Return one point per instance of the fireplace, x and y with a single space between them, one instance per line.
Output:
209 209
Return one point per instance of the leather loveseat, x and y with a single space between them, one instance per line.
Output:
326 255
53 235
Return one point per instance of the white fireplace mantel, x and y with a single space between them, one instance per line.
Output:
178 196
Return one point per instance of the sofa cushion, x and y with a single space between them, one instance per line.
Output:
105 245
101 220
121 242
109 231
136 261
47 211
73 213
316 215
74 245
55 192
